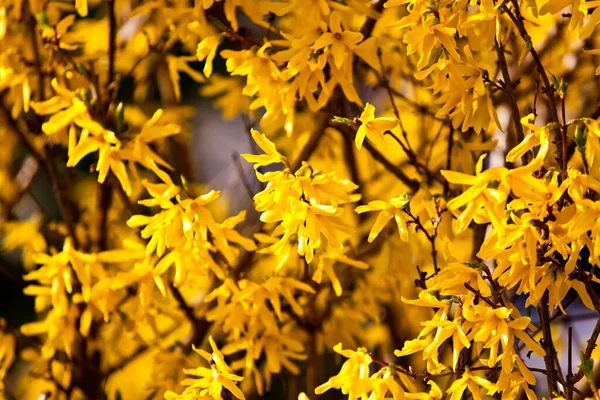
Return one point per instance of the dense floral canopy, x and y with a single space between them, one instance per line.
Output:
473 125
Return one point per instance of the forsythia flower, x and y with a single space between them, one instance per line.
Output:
306 203
131 262
207 49
210 382
393 209
373 128
7 354
473 383
340 41
353 378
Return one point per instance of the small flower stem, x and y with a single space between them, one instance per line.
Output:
548 344
548 89
509 90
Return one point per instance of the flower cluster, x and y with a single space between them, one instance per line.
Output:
471 124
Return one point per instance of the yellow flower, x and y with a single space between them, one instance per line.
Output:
210 382
109 148
66 40
373 128
392 209
383 381
341 41
64 108
537 137
207 49
325 263
24 235
7 353
435 393
353 378
473 383
271 156
305 204
483 193
180 64
227 92
140 148
82 7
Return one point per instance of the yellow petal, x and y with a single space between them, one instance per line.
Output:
382 219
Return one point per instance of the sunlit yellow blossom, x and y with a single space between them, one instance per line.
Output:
7 354
207 49
488 191
373 128
393 209
340 41
210 381
474 383
353 378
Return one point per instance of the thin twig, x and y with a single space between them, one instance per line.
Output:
509 90
36 56
61 194
369 25
313 142
548 89
199 326
240 170
396 171
480 296
570 365
112 41
449 151
591 345
548 345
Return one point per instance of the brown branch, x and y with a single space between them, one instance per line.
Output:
46 159
240 170
313 142
449 159
570 365
369 25
412 156
199 326
480 296
509 90
591 345
105 196
548 345
426 375
411 183
61 193
419 108
36 55
548 89
112 41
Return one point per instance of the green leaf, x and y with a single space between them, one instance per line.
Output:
587 366
82 69
554 81
580 136
342 120
220 25
42 18
564 85
119 117
185 183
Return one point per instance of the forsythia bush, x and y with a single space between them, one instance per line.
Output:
426 223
